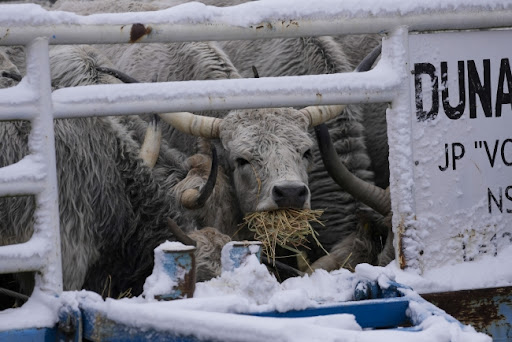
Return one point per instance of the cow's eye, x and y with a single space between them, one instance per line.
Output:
307 154
241 162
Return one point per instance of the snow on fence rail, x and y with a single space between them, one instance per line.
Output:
32 99
288 18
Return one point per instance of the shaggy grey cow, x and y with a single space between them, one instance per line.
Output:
359 135
256 145
346 233
113 208
345 217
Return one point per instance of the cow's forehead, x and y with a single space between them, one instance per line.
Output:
254 129
251 116
275 121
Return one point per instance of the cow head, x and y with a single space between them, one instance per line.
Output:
268 149
269 156
268 152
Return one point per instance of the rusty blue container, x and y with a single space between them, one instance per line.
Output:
180 266
235 253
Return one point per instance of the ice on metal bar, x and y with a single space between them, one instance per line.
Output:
27 176
27 256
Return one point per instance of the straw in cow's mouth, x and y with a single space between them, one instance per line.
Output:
288 228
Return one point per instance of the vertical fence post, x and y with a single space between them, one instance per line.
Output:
395 49
42 145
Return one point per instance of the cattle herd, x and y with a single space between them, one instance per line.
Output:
115 202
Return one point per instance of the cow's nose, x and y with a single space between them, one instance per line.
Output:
290 195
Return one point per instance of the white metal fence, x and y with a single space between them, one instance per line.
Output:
33 100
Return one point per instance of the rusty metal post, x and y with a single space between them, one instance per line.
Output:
235 253
180 267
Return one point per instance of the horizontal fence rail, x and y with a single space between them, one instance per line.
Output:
123 99
254 20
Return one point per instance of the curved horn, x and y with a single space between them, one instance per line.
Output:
200 126
369 60
14 76
189 123
192 198
150 148
282 266
153 139
197 125
117 74
179 234
321 114
370 194
255 72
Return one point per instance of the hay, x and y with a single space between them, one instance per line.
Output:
107 288
288 228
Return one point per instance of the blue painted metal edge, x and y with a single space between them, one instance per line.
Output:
381 313
68 328
96 327
29 335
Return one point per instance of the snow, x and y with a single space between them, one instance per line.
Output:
41 310
246 14
486 272
214 310
29 169
217 304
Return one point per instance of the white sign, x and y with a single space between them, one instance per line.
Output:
461 86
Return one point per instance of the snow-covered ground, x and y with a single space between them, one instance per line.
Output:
214 310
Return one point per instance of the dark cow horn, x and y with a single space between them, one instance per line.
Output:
370 194
14 294
11 75
255 72
150 148
180 234
367 62
320 114
282 266
117 74
192 198
189 123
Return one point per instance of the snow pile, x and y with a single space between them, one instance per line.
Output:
260 291
216 311
486 272
212 313
41 310
253 283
